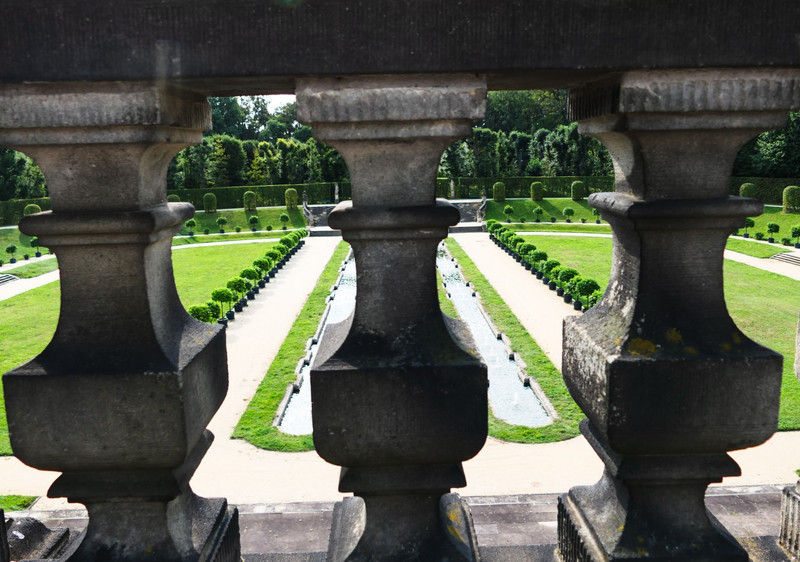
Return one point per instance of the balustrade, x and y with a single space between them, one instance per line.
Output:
119 400
668 383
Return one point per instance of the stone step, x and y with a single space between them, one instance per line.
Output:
788 257
7 278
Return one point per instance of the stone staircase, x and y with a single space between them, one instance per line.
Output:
788 257
7 278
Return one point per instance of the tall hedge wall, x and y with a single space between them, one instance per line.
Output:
558 186
11 211
768 190
266 195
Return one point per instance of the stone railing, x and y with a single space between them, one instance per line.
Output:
119 401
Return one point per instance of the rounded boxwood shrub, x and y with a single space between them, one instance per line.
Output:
577 191
206 231
549 265
538 211
214 309
525 248
748 190
568 212
290 195
499 192
791 199
537 191
173 198
508 210
249 201
210 203
773 227
31 209
201 312
537 256
759 235
565 275
190 225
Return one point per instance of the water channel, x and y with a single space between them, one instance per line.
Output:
509 399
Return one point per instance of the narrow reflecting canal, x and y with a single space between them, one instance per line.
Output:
509 399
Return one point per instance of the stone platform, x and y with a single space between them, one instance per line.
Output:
509 528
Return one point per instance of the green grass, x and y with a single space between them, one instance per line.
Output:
35 269
268 216
16 503
752 248
28 321
553 207
559 227
255 425
774 214
9 236
764 305
539 366
198 271
229 237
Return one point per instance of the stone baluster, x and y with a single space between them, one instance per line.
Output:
668 383
397 400
120 398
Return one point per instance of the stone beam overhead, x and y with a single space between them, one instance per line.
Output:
220 47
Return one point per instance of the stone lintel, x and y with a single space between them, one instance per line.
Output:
694 91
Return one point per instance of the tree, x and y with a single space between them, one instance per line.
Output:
11 249
225 165
748 223
238 286
284 219
221 222
483 143
568 212
253 220
190 226
12 167
250 273
200 312
263 265
506 166
796 233
264 168
227 118
525 110
249 201
292 156
290 197
223 296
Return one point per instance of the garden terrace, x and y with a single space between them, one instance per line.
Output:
101 96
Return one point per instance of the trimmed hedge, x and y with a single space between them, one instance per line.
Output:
791 199
12 211
266 195
520 187
766 190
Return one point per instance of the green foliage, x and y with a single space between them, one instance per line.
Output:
565 152
250 273
549 265
483 144
16 503
223 296
249 201
525 248
565 276
748 223
253 220
284 219
767 190
537 257
11 249
263 265
499 192
585 287
237 285
221 222
172 198
273 255
537 191
568 212
190 224
31 209
773 227
577 191
748 189
290 196
214 309
201 312
12 211
210 203
225 164
759 235
791 199
508 210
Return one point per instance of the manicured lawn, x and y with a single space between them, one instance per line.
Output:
268 216
229 237
559 227
198 271
523 208
28 321
775 214
753 248
35 269
16 503
764 305
255 425
539 365
9 236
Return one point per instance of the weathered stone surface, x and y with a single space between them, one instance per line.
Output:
416 398
542 44
669 384
120 398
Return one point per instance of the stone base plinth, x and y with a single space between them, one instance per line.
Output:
790 521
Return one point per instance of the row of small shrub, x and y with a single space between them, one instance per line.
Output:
12 211
583 290
772 229
228 300
516 187
265 195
